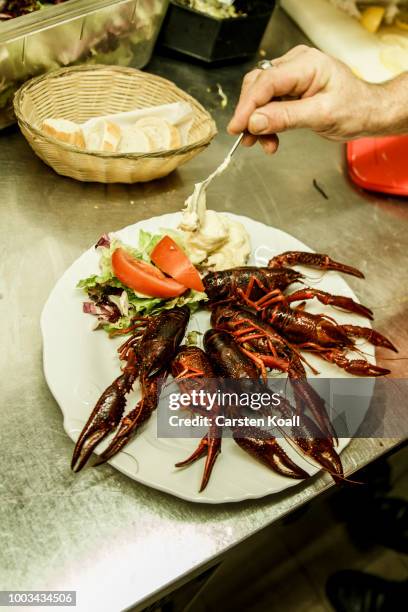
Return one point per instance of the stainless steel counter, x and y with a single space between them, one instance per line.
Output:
116 542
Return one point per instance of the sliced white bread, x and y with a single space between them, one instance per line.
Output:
135 140
163 134
64 130
103 136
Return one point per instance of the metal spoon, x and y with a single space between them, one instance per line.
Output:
194 212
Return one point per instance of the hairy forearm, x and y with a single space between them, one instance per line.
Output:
393 108
307 89
355 108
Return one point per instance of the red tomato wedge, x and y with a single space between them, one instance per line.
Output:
170 258
143 277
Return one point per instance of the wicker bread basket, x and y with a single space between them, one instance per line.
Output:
82 92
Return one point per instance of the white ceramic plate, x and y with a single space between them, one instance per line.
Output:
79 364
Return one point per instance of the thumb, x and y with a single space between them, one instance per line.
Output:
286 115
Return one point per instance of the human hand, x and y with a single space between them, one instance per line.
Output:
324 95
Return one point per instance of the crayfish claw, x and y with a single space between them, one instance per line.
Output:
339 301
373 336
313 443
208 446
214 449
324 454
146 353
305 393
104 419
130 424
361 367
327 457
357 367
269 452
314 260
85 450
199 452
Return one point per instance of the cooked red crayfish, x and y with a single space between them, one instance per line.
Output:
249 284
244 345
232 362
267 349
262 289
147 354
331 341
264 286
191 366
192 369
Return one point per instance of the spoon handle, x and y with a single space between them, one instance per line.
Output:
236 144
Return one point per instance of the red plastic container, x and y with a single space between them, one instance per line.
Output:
380 164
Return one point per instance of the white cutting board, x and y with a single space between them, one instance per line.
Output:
342 36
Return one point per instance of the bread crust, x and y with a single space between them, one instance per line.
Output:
64 130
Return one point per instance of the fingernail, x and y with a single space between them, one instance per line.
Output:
258 123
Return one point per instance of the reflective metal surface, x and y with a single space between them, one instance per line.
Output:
115 542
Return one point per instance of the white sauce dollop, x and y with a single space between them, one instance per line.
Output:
213 240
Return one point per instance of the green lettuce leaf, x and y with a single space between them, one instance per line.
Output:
105 288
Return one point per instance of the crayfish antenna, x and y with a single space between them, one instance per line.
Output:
314 260
104 419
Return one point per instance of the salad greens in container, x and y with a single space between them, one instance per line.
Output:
9 9
39 36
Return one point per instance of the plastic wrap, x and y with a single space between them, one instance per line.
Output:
120 32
